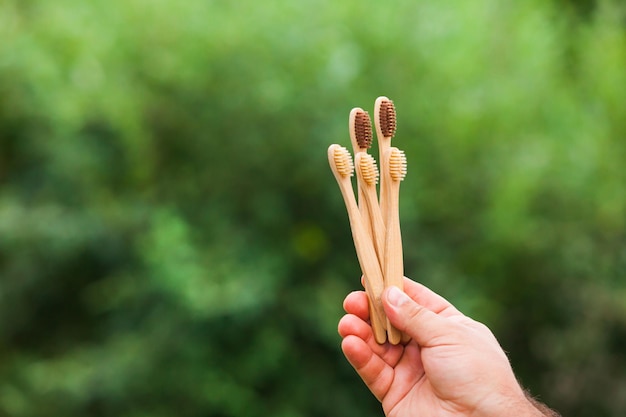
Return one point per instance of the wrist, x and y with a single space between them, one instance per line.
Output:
528 410
543 409
517 405
523 409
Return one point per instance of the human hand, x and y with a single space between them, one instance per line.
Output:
453 365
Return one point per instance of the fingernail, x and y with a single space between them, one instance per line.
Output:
396 296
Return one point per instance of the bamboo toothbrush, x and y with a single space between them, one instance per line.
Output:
341 164
395 160
367 174
385 122
360 127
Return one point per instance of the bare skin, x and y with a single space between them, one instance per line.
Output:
453 365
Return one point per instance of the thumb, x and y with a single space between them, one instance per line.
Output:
422 324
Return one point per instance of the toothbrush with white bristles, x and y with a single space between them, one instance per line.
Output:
395 160
367 173
342 166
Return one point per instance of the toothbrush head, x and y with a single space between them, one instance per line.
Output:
368 169
363 129
387 118
397 164
340 161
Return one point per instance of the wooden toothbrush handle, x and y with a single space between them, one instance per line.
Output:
374 283
378 324
366 254
394 266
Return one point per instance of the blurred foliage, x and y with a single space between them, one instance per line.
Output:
172 241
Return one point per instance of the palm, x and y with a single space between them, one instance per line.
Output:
399 380
408 387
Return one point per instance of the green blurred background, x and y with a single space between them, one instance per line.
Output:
172 241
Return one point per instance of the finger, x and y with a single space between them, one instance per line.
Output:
429 299
356 303
425 326
426 297
372 369
351 325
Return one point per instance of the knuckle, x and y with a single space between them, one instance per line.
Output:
415 313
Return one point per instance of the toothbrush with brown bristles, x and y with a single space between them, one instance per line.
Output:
360 127
395 160
342 166
385 122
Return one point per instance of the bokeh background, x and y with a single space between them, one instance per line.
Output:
172 241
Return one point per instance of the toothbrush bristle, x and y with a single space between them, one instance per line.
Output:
363 129
397 164
343 161
369 169
387 116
